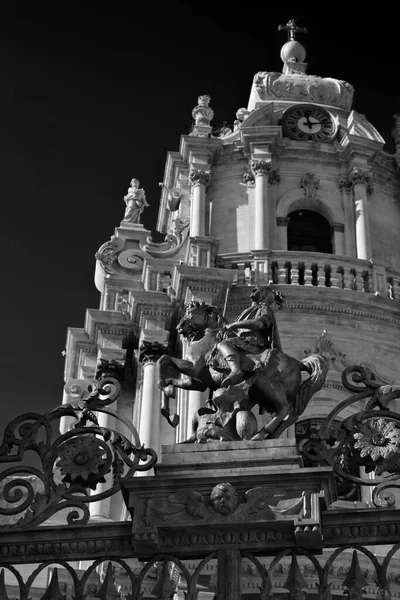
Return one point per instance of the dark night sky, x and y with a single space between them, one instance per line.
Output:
90 99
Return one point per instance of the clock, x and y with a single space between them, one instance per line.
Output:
307 122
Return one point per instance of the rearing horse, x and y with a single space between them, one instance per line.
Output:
273 378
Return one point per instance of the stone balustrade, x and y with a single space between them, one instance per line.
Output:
313 269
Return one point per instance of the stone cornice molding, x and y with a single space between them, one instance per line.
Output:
212 281
150 304
364 314
192 146
265 135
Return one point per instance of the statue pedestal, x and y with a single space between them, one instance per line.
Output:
252 496
226 459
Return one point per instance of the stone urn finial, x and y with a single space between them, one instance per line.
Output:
202 115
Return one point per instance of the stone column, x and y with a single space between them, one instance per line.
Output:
261 169
361 184
149 424
362 228
199 180
229 574
349 224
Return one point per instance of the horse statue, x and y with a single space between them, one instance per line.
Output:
272 379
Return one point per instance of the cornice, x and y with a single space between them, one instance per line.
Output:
343 310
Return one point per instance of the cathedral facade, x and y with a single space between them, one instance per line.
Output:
298 197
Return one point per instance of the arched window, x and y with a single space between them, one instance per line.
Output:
309 231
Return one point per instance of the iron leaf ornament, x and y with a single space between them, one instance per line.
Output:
70 465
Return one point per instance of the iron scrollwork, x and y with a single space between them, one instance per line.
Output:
73 465
369 437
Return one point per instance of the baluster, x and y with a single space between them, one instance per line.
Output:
282 275
235 268
241 273
329 280
248 274
308 275
340 278
390 288
275 272
358 280
294 274
366 281
396 287
348 279
323 277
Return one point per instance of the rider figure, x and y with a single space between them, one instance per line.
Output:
257 332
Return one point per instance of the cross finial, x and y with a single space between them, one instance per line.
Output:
292 28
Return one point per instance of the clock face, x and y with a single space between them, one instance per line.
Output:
308 123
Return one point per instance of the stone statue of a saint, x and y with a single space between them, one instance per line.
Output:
135 201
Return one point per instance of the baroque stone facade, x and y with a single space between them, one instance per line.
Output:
300 203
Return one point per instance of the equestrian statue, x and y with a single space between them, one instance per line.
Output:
243 365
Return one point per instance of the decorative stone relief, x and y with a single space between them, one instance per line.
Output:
132 260
302 87
274 177
107 254
325 346
223 503
172 242
198 177
310 184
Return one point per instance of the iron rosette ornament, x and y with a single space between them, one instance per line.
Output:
368 437
84 465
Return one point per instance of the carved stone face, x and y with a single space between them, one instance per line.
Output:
224 499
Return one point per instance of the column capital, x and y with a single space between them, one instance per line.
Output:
356 176
273 176
110 368
199 177
260 167
150 352
248 178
